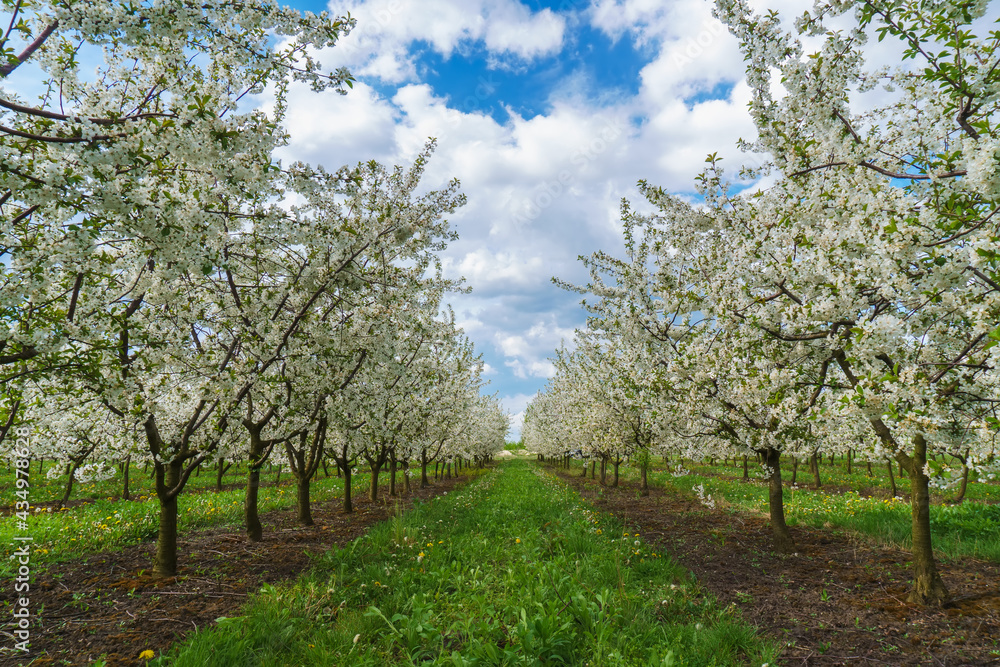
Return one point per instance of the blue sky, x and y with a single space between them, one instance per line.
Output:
549 113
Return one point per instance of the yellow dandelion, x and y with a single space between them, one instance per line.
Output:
147 655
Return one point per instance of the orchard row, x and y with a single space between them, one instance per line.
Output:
172 294
849 302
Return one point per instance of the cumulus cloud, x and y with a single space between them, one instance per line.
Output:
516 405
390 33
542 188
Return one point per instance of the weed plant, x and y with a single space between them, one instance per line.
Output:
513 569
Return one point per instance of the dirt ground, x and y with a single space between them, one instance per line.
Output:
837 601
106 606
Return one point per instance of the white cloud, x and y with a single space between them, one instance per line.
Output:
531 369
516 405
383 43
541 190
497 271
511 28
528 354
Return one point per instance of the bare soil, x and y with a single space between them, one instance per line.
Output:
106 606
838 601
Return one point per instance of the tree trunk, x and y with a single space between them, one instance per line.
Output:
604 471
406 477
617 463
928 588
302 500
593 469
220 470
964 485
373 487
348 504
69 484
892 479
814 463
584 469
424 482
165 564
126 495
255 532
849 457
644 485
746 469
783 542
392 475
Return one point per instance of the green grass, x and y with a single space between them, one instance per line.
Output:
108 523
513 569
970 529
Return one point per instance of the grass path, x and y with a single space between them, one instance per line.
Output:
514 569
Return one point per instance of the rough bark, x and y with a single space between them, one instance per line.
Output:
346 469
373 487
424 482
392 475
220 470
964 484
255 531
165 564
928 588
783 542
814 465
126 493
302 504
71 470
